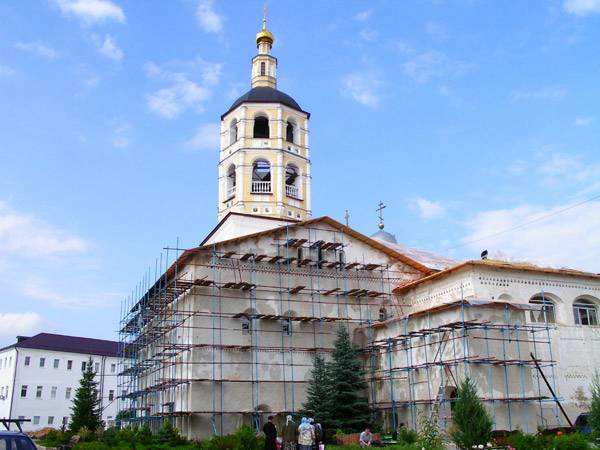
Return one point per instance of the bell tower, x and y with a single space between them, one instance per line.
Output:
264 163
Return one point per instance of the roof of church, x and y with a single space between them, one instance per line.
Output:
428 259
265 95
502 265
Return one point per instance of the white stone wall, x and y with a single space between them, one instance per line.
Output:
8 359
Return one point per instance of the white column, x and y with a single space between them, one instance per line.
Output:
240 187
279 128
279 182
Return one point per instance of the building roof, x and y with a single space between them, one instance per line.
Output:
70 344
501 265
428 259
265 95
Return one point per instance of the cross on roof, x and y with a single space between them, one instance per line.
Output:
347 217
382 206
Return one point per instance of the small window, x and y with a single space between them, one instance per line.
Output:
53 392
36 420
83 366
246 326
233 132
38 392
68 393
382 314
585 312
261 127
286 327
546 313
263 69
56 363
24 391
27 360
97 367
113 368
42 362
111 395
69 364
50 420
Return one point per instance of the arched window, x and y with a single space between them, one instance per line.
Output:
233 132
263 69
231 181
382 314
261 127
292 181
289 132
546 313
585 312
261 177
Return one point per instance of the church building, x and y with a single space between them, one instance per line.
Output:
226 334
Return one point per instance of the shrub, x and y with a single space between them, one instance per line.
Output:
96 445
144 435
168 434
472 421
429 432
220 443
109 436
573 441
594 417
407 436
245 439
125 434
521 441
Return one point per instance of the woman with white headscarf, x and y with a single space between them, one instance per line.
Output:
289 434
306 435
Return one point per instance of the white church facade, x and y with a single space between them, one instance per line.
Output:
227 332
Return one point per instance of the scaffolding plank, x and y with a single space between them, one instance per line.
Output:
296 289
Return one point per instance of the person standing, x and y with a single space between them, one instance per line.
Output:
270 434
289 434
306 435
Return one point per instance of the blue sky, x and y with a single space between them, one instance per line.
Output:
476 122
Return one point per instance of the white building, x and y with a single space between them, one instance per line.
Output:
39 376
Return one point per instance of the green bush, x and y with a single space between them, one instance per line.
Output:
54 438
407 436
144 435
473 424
220 443
125 434
91 446
573 441
168 434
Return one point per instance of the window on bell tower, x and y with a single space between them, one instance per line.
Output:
231 181
233 132
261 127
261 177
289 132
263 69
292 182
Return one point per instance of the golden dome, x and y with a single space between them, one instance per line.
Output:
264 35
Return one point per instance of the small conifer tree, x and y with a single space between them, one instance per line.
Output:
86 410
348 387
594 417
318 401
472 422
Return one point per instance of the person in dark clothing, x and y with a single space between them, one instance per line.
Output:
270 434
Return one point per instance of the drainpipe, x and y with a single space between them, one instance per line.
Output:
12 397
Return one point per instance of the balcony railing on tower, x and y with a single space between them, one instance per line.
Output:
292 191
261 187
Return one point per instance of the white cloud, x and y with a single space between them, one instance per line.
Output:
208 19
583 121
121 134
428 209
25 235
6 71
206 138
45 292
38 48
559 165
92 11
423 67
518 167
574 229
182 92
369 35
545 93
20 324
362 87
363 16
582 7
436 31
107 47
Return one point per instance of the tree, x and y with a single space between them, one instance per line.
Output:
348 387
472 422
594 418
86 410
318 402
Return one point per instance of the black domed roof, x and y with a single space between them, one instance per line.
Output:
265 95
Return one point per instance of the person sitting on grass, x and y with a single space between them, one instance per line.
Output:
366 438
